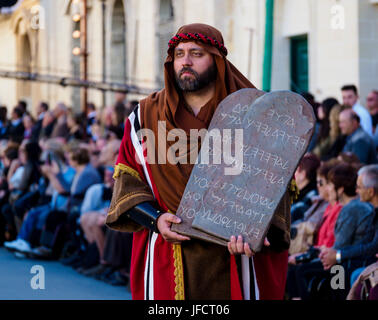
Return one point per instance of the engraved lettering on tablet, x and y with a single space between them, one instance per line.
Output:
277 128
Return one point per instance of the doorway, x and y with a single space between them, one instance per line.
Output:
299 64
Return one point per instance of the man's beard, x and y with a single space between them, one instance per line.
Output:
199 81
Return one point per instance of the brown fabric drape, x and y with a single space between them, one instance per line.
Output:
167 106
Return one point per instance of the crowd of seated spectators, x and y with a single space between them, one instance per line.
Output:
56 180
334 217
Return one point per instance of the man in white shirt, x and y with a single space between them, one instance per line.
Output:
350 98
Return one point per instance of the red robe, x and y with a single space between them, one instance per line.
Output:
157 268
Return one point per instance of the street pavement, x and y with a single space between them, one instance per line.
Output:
17 279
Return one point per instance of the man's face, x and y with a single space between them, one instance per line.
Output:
364 193
349 97
346 124
372 103
194 67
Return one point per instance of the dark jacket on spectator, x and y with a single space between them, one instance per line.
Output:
36 130
4 127
303 202
354 224
362 145
336 148
16 131
366 249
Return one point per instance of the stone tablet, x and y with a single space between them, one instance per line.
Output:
239 180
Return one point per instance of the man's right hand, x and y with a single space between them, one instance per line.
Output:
164 223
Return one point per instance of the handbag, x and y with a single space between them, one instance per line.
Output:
365 284
302 237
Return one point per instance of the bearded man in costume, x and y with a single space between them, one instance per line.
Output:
164 264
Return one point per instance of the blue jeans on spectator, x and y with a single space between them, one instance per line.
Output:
35 219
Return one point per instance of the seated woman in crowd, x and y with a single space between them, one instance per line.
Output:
76 132
305 178
338 139
324 235
24 192
86 175
354 222
15 170
28 123
118 117
60 176
304 231
47 125
9 155
325 139
3 123
9 160
15 130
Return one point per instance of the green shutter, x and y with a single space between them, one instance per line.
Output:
299 64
